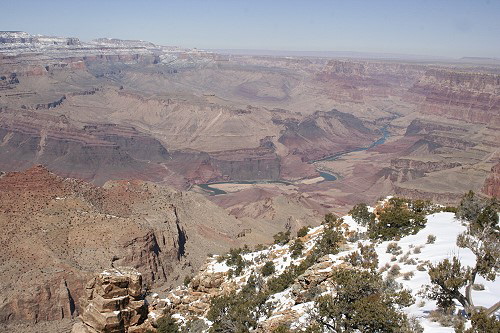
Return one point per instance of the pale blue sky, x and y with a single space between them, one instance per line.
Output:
453 28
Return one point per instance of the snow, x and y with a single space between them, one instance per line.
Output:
442 225
281 301
446 229
219 267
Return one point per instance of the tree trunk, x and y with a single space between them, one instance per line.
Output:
468 289
492 309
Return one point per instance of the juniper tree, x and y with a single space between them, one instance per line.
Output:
481 237
361 303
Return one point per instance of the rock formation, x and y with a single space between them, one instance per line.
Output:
115 302
491 185
468 96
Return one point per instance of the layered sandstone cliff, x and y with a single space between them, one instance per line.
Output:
467 96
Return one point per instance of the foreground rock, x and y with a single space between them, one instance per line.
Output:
115 303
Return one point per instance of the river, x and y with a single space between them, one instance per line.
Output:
326 175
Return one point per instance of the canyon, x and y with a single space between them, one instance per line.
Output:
126 153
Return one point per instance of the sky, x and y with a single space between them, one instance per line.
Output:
448 28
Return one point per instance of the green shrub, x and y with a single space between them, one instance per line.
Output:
330 218
362 304
302 231
167 324
399 217
394 270
282 238
366 257
235 260
470 207
187 280
297 248
394 249
268 268
361 215
331 239
431 239
480 322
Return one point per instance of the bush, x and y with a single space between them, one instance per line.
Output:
399 217
361 215
302 231
431 239
187 280
449 209
445 318
384 268
394 248
330 218
394 271
421 268
167 324
331 239
410 261
366 257
268 268
235 259
413 326
232 313
470 207
362 304
297 248
480 322
282 238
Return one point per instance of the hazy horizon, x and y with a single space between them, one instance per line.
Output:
442 29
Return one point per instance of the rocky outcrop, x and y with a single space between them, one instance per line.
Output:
195 300
491 185
115 302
